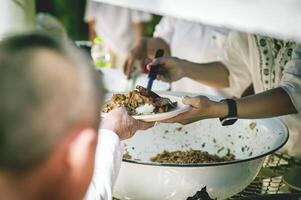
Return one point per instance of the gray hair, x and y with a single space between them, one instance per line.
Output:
39 105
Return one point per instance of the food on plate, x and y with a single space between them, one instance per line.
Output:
190 157
140 101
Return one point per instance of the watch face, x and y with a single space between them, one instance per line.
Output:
228 121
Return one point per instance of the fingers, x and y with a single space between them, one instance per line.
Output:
134 125
163 74
176 119
131 125
157 61
195 102
191 101
163 78
145 62
138 52
121 111
141 125
130 66
183 118
190 116
125 66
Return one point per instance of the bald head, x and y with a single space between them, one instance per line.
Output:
47 88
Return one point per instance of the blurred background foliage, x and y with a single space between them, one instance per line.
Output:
71 14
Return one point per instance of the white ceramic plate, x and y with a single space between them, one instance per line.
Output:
166 115
181 108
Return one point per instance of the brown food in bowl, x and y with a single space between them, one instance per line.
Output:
190 157
127 156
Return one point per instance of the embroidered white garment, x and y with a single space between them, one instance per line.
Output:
267 63
108 160
194 42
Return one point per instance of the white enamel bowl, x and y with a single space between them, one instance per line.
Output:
249 140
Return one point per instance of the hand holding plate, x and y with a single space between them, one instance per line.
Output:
201 108
122 124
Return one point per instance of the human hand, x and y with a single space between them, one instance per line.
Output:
171 68
201 108
138 52
122 124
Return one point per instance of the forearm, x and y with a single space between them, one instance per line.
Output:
139 31
272 103
213 74
92 32
153 44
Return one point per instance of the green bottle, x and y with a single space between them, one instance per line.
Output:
100 54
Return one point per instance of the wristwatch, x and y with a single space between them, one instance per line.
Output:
231 118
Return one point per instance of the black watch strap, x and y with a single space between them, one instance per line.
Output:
231 118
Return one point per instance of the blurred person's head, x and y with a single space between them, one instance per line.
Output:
49 116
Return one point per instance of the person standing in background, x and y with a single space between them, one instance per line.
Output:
193 41
120 28
16 16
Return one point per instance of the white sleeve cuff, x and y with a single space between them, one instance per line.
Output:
110 137
109 148
108 160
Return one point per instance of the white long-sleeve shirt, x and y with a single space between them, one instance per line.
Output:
108 159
